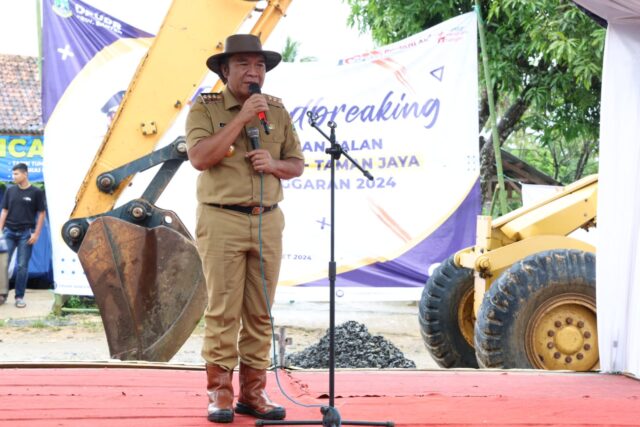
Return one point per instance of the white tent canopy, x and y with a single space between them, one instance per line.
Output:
618 261
614 11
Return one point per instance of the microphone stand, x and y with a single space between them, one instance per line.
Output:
330 415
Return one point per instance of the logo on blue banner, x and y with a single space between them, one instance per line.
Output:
61 8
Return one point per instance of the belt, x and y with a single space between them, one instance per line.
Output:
19 228
249 210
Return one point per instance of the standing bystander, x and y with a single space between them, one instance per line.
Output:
21 221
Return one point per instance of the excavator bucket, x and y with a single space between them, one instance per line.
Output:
148 285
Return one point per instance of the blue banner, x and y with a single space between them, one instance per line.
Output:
73 33
25 149
89 59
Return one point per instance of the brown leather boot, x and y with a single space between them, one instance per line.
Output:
253 399
220 391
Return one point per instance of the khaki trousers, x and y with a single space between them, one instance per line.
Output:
236 318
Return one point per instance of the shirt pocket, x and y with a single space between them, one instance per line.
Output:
274 142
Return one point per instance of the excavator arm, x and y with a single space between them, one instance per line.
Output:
165 80
140 260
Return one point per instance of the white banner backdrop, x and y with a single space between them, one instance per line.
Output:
406 112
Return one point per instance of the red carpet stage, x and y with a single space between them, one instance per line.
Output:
130 395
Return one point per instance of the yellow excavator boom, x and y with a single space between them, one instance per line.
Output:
166 78
140 260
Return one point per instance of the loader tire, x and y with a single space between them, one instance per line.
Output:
446 316
541 314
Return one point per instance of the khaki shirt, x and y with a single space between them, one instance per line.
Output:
233 181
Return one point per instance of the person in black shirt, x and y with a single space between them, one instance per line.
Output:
21 220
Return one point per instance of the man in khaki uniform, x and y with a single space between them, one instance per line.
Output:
237 323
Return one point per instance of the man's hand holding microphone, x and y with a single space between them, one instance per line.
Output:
256 105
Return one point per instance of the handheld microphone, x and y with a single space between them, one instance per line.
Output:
255 88
254 137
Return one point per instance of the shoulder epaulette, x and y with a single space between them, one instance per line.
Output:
210 98
272 100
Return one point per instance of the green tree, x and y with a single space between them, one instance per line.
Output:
564 160
545 61
290 52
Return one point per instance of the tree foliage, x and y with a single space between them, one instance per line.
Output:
290 52
545 61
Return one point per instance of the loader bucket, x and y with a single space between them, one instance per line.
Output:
148 285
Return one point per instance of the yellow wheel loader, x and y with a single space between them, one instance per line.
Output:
524 295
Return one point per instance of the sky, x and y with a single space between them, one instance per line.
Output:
319 26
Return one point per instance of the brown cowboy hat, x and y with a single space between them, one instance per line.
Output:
242 43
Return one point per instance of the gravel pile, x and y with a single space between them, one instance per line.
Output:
355 347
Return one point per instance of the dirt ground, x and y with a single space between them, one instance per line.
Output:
33 334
